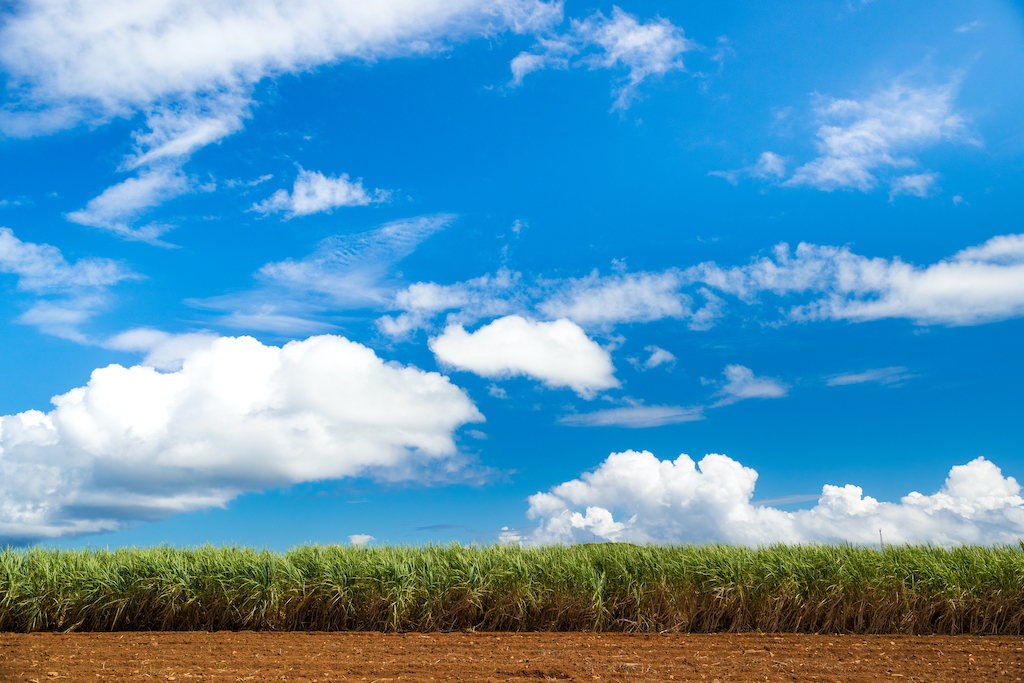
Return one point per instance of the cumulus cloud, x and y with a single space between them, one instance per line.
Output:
557 353
139 444
313 192
360 539
976 285
645 49
893 375
633 496
741 383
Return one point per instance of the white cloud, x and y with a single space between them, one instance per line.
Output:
70 294
344 272
915 185
360 539
483 297
658 356
138 444
594 301
554 54
769 166
634 496
651 49
634 417
976 285
119 205
63 318
741 383
164 351
861 139
235 182
190 67
313 192
266 318
621 42
557 353
621 298
893 375
352 268
969 27
42 267
91 60
174 133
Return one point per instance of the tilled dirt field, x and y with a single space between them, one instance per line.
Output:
381 658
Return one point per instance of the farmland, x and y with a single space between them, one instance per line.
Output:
513 657
593 588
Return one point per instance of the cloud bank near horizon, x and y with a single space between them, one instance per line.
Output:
635 497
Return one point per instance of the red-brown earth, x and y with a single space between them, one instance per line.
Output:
388 658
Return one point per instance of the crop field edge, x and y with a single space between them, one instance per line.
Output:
614 587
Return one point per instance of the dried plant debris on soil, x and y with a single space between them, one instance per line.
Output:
586 656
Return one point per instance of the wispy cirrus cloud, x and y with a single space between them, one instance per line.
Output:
190 68
644 49
634 416
344 272
885 376
741 383
67 295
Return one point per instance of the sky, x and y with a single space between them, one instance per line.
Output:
511 271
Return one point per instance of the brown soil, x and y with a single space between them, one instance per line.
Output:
388 658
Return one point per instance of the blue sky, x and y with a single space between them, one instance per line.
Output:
510 270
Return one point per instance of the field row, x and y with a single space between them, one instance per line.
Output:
607 587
